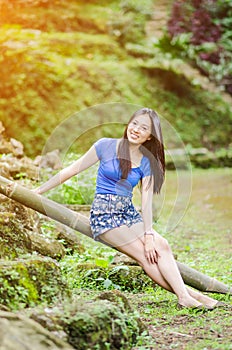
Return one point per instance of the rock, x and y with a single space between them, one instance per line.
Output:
19 332
5 147
50 160
117 298
122 259
12 167
13 235
104 322
4 308
101 324
27 166
29 281
45 246
13 163
69 238
20 233
4 169
17 147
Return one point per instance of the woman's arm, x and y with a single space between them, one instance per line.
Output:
88 159
147 214
147 196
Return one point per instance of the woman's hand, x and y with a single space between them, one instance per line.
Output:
36 190
149 247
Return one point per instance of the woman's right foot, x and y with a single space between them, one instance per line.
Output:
190 302
198 307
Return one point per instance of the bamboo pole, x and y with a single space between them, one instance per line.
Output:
80 223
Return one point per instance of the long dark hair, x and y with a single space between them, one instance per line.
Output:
153 149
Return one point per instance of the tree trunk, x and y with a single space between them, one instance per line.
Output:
80 223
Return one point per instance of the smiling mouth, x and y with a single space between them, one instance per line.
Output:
134 136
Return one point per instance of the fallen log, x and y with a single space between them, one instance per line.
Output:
80 223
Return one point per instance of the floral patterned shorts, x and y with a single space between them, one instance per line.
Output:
109 211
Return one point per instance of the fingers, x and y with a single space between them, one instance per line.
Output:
35 190
152 256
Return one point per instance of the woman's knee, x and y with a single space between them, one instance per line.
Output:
163 244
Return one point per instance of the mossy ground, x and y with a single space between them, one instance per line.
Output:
31 281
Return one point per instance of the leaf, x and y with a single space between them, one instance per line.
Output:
102 263
110 259
107 283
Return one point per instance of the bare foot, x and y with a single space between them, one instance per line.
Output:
190 302
207 301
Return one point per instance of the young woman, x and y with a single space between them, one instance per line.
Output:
138 157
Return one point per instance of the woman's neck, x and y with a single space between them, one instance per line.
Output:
134 149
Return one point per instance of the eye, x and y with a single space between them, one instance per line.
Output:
133 123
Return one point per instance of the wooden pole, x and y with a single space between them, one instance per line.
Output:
80 223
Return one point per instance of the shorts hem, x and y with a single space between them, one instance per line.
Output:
96 236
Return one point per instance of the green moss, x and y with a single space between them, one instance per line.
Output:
29 282
13 239
26 283
101 325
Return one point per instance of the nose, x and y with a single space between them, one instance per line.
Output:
136 128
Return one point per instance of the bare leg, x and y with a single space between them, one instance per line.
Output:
171 273
165 272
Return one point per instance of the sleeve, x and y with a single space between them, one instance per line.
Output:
100 146
146 167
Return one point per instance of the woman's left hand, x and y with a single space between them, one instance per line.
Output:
150 251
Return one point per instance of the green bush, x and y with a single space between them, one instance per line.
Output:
207 28
77 190
129 26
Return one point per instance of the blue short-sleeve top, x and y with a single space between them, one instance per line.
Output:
109 173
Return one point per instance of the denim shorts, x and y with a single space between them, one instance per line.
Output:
109 211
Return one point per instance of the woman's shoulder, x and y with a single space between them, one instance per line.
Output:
105 145
145 166
105 140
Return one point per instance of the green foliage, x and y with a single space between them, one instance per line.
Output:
120 277
129 26
93 270
79 189
55 65
143 7
207 33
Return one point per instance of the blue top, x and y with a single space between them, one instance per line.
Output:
109 173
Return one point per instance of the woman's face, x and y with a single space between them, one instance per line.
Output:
139 129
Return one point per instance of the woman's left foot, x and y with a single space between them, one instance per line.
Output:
218 304
199 307
222 305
